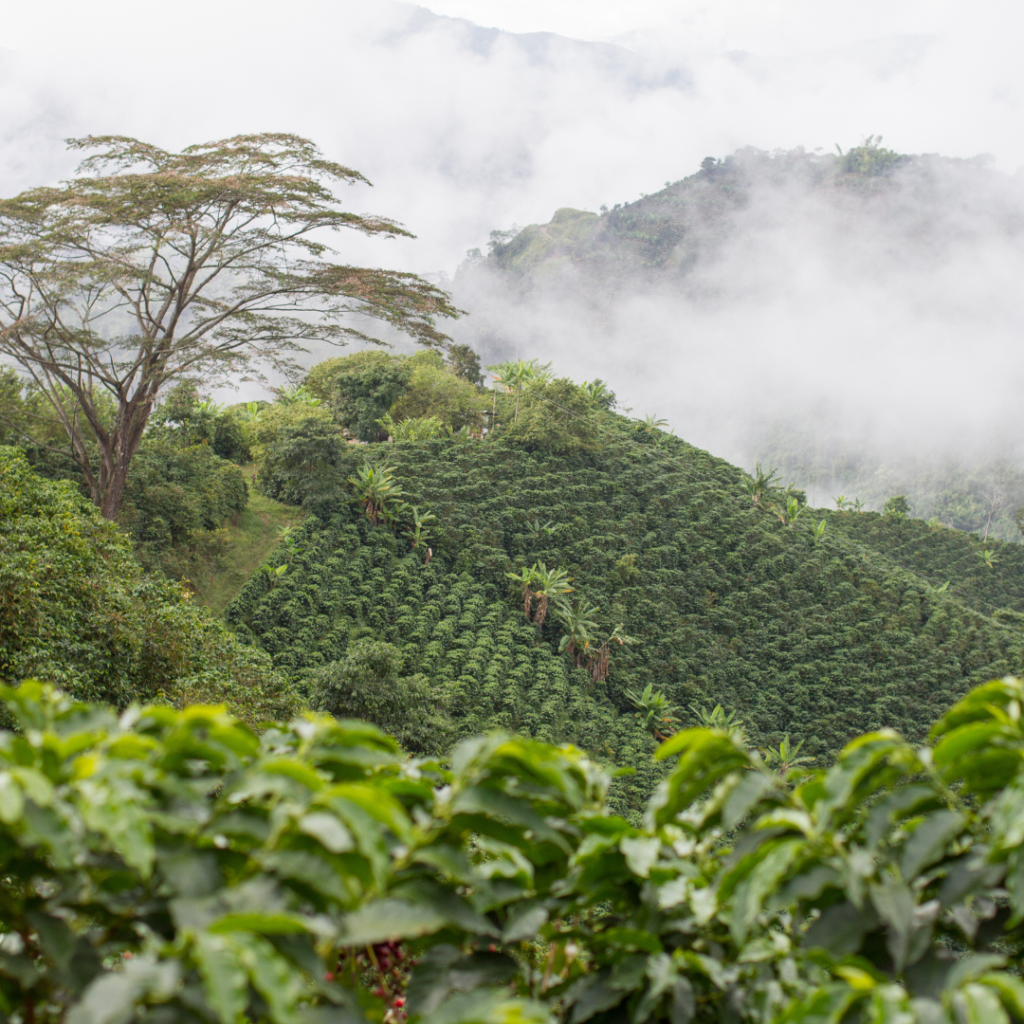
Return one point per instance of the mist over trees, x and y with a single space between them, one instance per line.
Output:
847 317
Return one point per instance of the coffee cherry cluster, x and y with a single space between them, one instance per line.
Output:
384 969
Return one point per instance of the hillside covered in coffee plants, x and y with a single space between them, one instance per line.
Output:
644 563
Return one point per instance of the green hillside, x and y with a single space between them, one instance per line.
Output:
940 555
820 638
665 234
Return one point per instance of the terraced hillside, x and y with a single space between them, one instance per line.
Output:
817 637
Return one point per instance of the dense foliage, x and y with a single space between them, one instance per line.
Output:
183 488
172 866
943 556
76 608
798 627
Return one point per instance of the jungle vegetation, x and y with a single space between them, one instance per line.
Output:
149 267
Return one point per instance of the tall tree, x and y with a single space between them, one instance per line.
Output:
149 266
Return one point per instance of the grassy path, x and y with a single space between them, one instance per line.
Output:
253 538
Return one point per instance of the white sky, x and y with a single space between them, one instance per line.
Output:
777 23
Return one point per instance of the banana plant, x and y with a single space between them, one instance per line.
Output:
578 624
842 503
718 718
540 584
287 537
300 395
416 428
515 376
376 490
600 659
539 529
419 532
989 557
654 711
785 757
272 573
758 484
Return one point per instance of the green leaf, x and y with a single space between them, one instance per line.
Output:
641 853
12 803
113 997
979 1004
260 924
929 842
524 923
745 795
328 830
488 1006
772 864
390 920
594 996
224 977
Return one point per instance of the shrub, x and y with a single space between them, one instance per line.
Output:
360 388
557 417
176 500
437 390
172 866
366 684
303 462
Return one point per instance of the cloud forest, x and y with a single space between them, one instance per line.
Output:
438 685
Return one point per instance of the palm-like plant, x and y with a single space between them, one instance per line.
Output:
539 529
376 489
540 584
599 391
655 711
599 659
719 718
576 620
785 757
416 428
300 395
758 484
514 376
419 531
251 412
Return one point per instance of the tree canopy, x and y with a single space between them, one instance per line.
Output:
150 266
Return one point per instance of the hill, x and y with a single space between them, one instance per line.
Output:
820 637
667 237
809 311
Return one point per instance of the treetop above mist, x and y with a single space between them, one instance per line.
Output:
668 232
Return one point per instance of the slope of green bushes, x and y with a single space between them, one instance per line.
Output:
77 609
940 555
813 637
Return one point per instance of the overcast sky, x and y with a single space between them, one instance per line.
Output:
462 134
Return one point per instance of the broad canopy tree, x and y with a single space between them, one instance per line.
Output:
149 266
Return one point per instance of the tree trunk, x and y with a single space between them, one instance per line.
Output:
118 454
